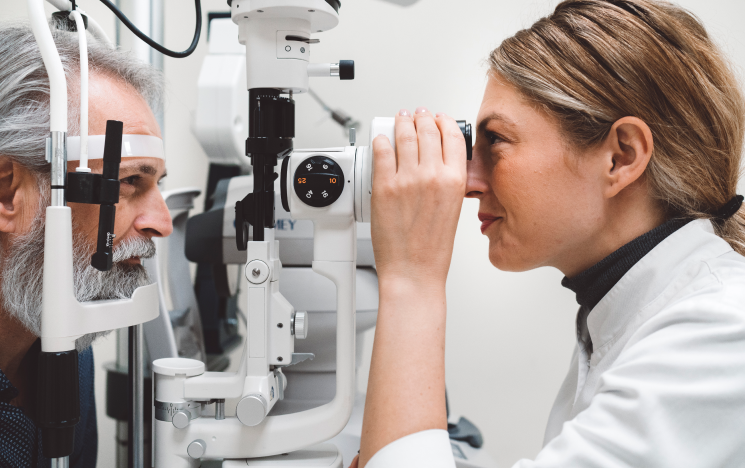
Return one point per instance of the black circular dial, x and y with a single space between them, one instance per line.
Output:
319 181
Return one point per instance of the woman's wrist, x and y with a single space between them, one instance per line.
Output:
397 284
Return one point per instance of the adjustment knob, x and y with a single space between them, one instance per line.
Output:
319 181
346 69
251 410
196 449
300 325
180 419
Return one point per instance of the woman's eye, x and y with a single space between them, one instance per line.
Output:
493 138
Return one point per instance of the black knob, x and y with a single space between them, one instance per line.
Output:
319 181
346 69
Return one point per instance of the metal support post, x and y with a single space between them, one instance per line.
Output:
136 418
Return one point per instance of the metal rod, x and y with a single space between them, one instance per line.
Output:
136 428
58 159
220 409
63 462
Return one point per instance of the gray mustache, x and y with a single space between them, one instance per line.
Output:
134 247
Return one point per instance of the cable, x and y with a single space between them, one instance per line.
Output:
153 44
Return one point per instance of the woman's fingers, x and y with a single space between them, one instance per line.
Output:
428 136
384 158
453 142
407 148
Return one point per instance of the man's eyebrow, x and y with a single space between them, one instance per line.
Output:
489 118
146 169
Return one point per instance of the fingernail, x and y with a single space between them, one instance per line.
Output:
421 110
403 112
440 114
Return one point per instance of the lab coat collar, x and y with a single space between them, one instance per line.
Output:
646 281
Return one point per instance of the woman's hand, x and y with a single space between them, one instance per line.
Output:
417 196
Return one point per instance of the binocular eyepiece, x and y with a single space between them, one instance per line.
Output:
465 128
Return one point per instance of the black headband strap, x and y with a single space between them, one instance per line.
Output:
729 209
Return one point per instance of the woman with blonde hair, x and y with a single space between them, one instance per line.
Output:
608 146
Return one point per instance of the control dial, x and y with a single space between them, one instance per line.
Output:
319 181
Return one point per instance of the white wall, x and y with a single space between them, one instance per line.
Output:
510 335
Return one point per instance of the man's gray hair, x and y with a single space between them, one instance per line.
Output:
24 127
24 87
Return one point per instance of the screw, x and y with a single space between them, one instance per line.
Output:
312 11
280 325
280 359
256 272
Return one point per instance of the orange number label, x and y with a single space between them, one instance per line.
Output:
333 180
301 180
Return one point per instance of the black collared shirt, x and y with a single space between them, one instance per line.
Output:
593 284
20 438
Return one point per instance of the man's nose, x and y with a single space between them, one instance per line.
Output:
477 179
155 219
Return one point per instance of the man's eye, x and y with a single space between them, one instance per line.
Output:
131 180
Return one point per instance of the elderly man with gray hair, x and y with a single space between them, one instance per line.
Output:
120 88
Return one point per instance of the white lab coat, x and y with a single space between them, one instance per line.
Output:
665 386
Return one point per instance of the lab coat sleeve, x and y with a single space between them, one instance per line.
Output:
430 449
674 397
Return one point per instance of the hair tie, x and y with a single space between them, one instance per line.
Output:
729 209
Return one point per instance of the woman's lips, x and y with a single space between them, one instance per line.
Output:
487 220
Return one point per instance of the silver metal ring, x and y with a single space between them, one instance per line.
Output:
164 411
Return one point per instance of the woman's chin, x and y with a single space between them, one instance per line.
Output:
506 260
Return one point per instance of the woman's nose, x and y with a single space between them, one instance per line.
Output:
477 180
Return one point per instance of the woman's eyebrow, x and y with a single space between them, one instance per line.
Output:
491 117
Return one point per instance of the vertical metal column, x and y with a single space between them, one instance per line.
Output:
60 462
136 427
57 153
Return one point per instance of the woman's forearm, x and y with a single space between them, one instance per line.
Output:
406 388
417 197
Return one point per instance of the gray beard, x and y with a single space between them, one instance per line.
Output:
23 276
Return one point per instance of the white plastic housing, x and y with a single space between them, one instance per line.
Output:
320 456
63 318
331 240
295 235
364 167
221 117
271 60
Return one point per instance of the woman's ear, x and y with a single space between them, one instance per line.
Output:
629 147
18 197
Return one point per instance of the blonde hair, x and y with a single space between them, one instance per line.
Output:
592 62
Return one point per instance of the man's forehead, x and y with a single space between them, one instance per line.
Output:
112 99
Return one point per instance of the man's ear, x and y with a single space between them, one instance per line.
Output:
629 148
18 196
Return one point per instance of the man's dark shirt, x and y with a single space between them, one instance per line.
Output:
20 439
